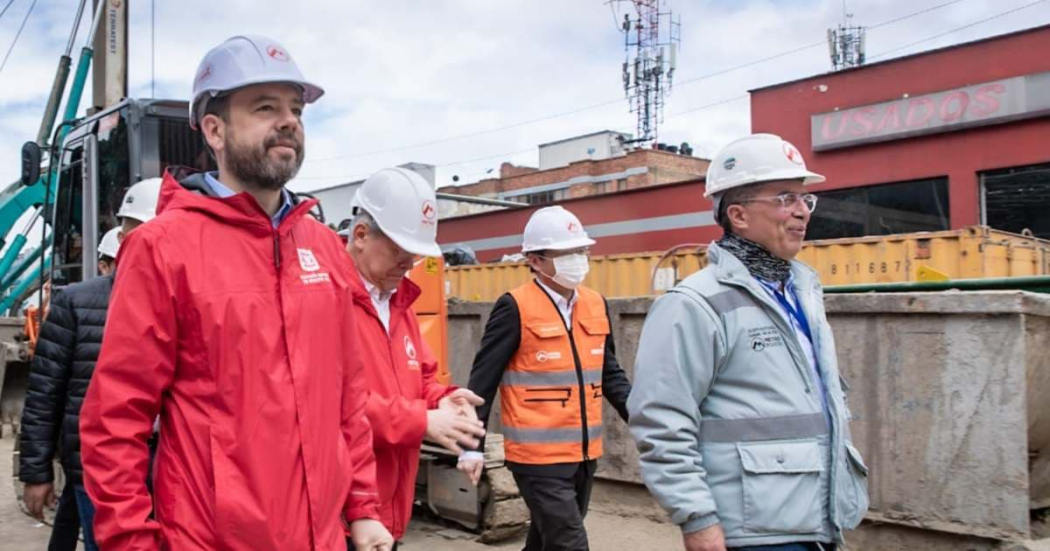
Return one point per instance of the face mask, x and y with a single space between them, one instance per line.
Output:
570 269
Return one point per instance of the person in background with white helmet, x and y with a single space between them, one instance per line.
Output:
396 221
228 320
63 365
738 413
107 252
548 349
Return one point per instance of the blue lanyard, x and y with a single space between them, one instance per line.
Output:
795 312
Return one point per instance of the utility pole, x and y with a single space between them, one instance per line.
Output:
110 74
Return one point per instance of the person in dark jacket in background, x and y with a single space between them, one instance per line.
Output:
64 360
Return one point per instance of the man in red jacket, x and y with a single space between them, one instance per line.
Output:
228 318
396 220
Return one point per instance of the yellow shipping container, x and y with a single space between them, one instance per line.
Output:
974 252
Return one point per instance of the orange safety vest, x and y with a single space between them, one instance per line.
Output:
551 392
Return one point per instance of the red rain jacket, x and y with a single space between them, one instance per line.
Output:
237 335
400 370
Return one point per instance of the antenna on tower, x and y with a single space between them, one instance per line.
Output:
651 42
846 43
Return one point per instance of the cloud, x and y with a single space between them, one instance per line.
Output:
403 73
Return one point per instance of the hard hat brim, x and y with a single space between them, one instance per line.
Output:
420 248
311 93
563 246
807 177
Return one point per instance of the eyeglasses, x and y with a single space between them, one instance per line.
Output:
551 255
787 200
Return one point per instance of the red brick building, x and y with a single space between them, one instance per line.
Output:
939 140
579 174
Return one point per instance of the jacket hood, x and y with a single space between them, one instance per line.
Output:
186 189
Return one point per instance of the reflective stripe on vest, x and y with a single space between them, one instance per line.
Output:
552 378
542 393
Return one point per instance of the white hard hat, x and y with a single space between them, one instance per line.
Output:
404 206
140 202
554 229
109 244
755 159
243 61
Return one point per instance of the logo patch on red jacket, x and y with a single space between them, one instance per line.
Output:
309 264
410 351
307 260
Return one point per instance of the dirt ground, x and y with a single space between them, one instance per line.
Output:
610 525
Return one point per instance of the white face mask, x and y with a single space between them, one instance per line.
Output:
570 269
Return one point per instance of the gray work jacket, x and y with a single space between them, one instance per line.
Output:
728 419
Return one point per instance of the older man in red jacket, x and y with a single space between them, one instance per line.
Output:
395 221
228 319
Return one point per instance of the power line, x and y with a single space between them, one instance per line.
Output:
737 98
522 151
964 27
17 35
615 101
6 8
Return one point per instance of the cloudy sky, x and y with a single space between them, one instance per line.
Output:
468 84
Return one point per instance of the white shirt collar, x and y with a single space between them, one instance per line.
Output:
377 294
564 305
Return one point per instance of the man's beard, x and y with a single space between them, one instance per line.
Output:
253 167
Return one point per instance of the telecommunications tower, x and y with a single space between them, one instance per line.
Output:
652 35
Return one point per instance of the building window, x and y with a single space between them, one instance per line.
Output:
1017 199
920 205
621 184
544 197
601 187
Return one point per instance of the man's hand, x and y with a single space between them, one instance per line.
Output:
449 428
37 496
708 539
370 535
464 401
472 468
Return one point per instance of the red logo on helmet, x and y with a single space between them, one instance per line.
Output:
792 154
205 73
428 210
277 53
573 227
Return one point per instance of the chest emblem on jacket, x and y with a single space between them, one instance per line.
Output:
543 356
307 260
762 338
410 351
310 266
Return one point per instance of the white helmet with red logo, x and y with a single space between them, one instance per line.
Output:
554 229
242 61
404 207
755 159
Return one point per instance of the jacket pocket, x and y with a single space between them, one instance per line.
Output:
782 487
853 489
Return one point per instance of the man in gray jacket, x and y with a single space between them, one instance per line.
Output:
738 407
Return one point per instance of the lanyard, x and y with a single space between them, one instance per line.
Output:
795 312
